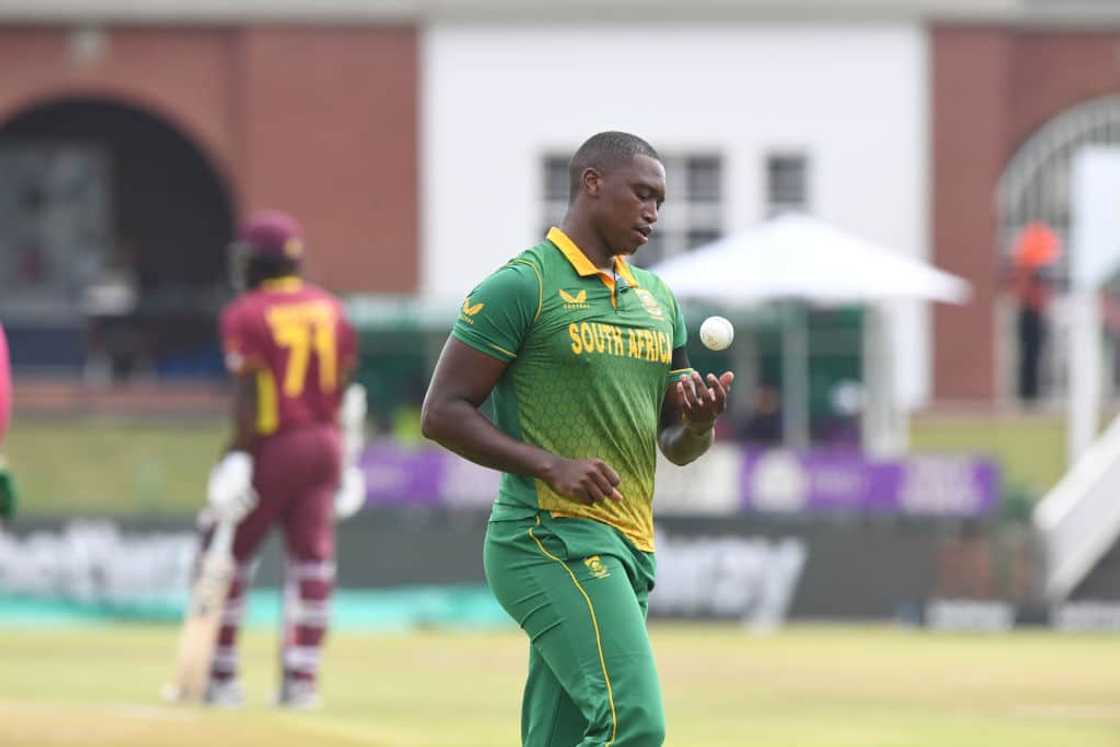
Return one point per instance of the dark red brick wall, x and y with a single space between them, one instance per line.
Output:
991 89
320 121
330 125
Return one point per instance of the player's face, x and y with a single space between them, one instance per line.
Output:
630 196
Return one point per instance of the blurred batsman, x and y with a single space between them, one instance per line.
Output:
7 484
292 458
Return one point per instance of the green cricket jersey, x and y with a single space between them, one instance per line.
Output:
589 356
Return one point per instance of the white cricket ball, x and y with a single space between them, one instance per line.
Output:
716 333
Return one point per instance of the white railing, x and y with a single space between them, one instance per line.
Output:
1079 520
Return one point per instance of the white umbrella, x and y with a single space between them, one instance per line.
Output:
800 257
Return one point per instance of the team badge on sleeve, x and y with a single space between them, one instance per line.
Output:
469 310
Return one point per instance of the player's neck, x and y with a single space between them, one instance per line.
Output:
280 283
589 243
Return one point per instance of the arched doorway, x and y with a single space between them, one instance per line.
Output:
1035 186
113 234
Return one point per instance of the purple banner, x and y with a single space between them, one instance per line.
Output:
424 476
399 475
762 480
943 485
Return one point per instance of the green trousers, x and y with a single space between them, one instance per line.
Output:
580 592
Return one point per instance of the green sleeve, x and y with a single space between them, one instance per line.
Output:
680 336
8 493
680 331
497 315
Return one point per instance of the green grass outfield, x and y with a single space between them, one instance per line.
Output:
98 465
1030 447
86 466
805 687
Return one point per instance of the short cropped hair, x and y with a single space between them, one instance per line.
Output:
262 267
603 152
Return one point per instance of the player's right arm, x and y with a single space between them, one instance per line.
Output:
495 319
244 412
462 381
243 344
229 492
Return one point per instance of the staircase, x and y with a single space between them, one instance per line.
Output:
1078 522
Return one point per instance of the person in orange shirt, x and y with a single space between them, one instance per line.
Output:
1036 247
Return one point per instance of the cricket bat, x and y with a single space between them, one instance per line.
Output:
203 618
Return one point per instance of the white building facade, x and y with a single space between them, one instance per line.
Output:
751 118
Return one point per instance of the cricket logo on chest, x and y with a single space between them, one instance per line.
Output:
649 302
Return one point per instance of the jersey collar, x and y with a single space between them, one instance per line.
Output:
286 284
581 264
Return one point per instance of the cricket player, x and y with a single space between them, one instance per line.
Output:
291 350
7 484
579 350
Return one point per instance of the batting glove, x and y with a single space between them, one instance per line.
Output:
352 421
351 494
230 493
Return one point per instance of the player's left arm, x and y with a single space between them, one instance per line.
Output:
242 358
230 495
243 412
690 409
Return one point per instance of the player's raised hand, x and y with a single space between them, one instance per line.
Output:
701 401
585 480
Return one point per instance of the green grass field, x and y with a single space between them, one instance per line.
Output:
97 465
805 687
1031 448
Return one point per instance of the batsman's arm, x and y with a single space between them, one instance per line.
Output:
244 339
462 381
244 412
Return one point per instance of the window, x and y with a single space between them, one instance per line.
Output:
556 179
787 182
57 216
703 179
691 216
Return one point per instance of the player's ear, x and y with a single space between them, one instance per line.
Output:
592 182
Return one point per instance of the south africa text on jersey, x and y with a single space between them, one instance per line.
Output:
643 344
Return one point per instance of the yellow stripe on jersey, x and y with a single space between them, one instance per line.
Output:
268 408
594 626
